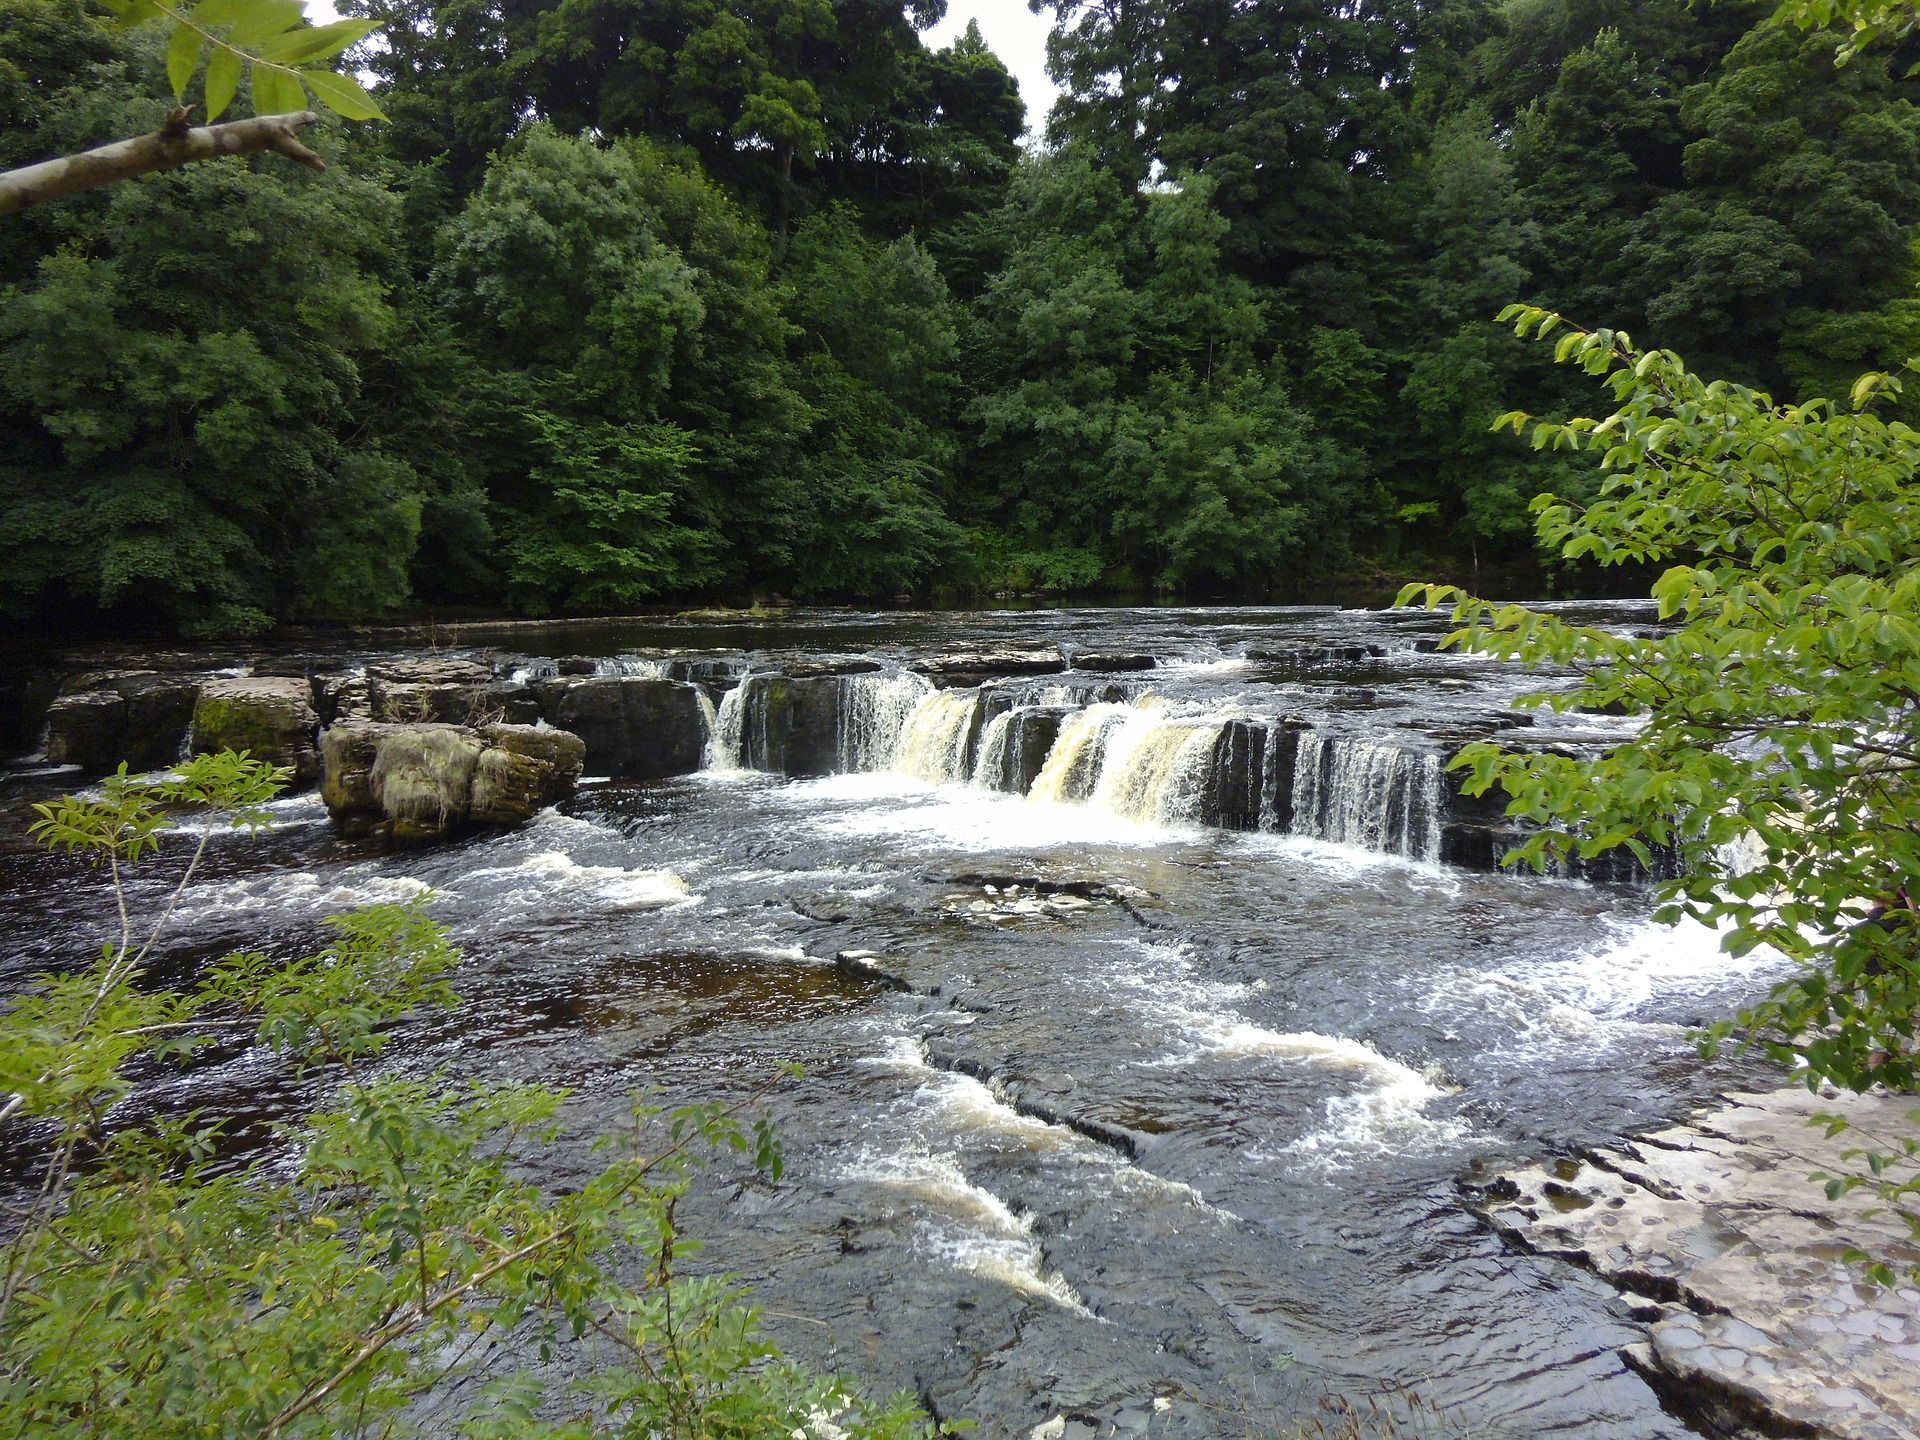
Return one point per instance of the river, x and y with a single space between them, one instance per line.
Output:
1108 1114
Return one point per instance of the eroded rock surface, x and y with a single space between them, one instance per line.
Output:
421 782
1717 1233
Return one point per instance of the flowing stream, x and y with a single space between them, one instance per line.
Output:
1141 1086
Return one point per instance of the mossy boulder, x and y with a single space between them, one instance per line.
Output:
423 782
269 717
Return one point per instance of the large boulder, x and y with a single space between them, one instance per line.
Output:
634 727
441 688
270 717
422 782
26 691
790 724
137 716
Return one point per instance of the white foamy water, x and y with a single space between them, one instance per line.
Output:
965 1225
1639 961
299 890
962 817
553 872
1380 1103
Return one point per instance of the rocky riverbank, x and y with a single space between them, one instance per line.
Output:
1718 1237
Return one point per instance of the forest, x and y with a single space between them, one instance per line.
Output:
638 302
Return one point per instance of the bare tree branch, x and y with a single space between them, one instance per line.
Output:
174 144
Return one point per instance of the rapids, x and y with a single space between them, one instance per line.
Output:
1109 1112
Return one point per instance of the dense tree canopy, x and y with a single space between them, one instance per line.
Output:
644 302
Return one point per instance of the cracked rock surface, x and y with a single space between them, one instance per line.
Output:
1719 1236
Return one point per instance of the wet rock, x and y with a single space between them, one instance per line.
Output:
633 727
1235 777
431 670
137 716
974 667
1029 735
1108 663
270 717
508 702
423 782
522 769
1763 1321
811 669
715 675
576 665
1298 655
793 724
26 691
342 697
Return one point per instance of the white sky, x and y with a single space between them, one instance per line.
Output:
1017 36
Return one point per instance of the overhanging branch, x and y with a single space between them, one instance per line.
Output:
175 144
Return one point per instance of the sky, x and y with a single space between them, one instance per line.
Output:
1017 36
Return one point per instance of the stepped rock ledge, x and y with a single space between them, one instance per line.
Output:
1716 1234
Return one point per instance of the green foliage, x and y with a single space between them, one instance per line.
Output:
155 1287
269 40
1775 758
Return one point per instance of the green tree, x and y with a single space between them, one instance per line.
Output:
1774 767
155 1286
181 368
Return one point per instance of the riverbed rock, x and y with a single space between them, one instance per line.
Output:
26 692
422 782
972 667
270 717
633 727
791 724
1110 663
1759 1318
1030 733
137 716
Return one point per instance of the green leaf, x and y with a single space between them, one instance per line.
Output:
342 95
223 78
316 43
276 91
183 54
260 19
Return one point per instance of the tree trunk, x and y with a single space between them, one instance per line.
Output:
175 144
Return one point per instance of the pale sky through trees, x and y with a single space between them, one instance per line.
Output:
1014 33
1018 37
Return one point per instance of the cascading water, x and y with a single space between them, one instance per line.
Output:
936 742
1073 765
990 772
874 710
1355 791
1157 770
630 665
723 736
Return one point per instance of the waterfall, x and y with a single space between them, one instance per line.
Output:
1362 792
936 742
1073 765
874 710
710 723
990 771
1157 770
630 665
723 736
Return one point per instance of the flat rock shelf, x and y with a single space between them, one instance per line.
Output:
1720 1236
